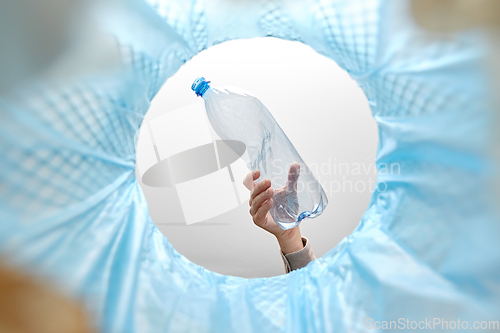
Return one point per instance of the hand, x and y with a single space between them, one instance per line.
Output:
261 202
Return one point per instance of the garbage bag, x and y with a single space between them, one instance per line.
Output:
425 250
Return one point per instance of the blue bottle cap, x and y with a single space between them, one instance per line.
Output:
200 86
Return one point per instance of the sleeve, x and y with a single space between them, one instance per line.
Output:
299 259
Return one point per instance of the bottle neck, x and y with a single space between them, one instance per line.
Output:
209 91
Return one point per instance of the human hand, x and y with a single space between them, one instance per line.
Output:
261 202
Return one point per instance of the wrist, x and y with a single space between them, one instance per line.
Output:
290 241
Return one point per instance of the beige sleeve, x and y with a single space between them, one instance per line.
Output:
299 259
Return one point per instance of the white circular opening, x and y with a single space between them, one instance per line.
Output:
325 115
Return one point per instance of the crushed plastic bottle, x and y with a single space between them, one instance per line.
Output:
237 115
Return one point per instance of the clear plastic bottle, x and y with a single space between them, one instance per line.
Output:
237 115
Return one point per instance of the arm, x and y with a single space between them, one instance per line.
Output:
296 251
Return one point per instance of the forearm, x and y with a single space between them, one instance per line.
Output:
290 241
296 251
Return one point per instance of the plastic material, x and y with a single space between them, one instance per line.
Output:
242 117
425 250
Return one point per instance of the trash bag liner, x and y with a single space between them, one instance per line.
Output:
426 248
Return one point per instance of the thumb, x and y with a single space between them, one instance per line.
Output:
293 177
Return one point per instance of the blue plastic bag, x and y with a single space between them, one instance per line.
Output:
426 249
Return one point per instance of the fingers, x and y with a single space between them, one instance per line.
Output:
293 176
260 187
260 199
261 192
260 216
